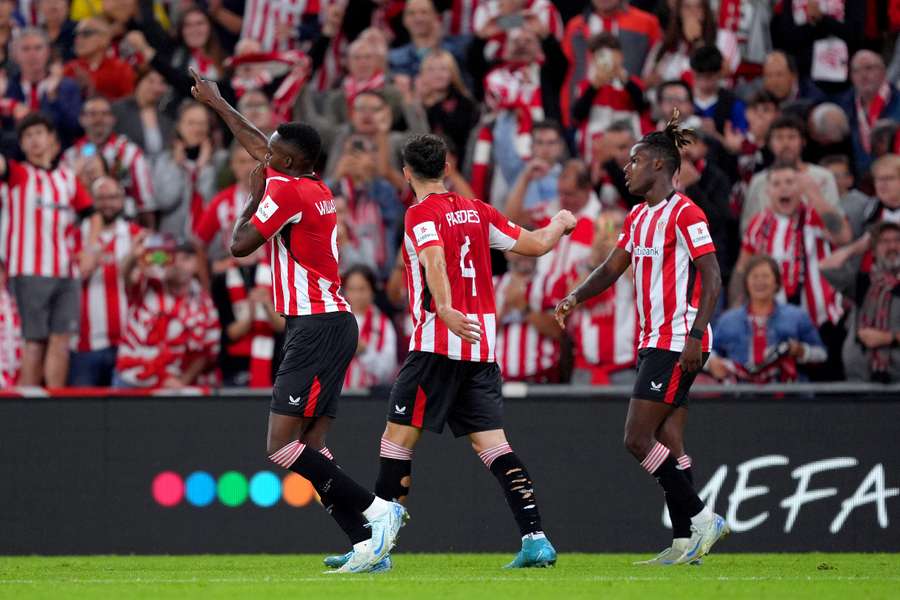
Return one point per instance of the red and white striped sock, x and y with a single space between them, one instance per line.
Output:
654 458
684 462
391 450
491 454
287 455
326 453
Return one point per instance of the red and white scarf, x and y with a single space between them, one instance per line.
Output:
10 340
353 87
875 312
364 219
515 88
285 96
867 118
204 65
259 343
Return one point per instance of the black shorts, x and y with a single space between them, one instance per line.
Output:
317 351
660 378
432 389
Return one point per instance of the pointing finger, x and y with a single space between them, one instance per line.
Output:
194 74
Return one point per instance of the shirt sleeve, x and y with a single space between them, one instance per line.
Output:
502 233
208 225
625 242
422 228
15 173
694 229
81 201
279 206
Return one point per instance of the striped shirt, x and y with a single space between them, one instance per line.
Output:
663 241
37 211
126 163
522 352
262 18
377 364
298 215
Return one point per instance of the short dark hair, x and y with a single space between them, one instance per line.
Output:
34 119
780 165
878 229
604 40
581 172
365 272
426 156
620 126
706 59
761 97
836 159
667 144
788 122
94 98
761 259
303 137
374 93
547 124
675 83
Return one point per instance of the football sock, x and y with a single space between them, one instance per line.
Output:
681 523
517 487
394 474
324 475
351 522
660 463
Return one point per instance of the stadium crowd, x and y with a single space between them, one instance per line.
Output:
119 191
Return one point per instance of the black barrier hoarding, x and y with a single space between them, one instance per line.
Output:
190 475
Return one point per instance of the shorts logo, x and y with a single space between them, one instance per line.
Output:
699 233
266 209
293 401
399 410
425 232
655 387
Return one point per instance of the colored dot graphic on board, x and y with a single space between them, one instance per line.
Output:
297 491
200 488
265 488
232 488
168 488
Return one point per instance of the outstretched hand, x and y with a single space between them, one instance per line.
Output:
204 90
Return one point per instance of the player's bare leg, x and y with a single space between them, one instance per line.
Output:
286 449
645 417
495 452
671 435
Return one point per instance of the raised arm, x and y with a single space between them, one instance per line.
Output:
435 263
543 240
600 278
251 138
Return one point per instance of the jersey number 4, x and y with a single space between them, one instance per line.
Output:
468 272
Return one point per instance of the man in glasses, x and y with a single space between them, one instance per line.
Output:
96 71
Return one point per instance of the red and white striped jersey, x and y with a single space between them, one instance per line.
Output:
611 103
553 274
377 364
798 244
604 331
663 241
459 19
164 333
466 229
544 9
126 163
10 339
299 216
522 352
263 17
104 302
220 215
38 209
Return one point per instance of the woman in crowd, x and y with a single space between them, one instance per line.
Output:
184 175
451 110
376 352
764 341
140 117
197 45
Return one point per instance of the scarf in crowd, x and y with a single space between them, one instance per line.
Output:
10 340
353 87
875 312
204 65
197 207
286 94
513 88
867 119
259 343
364 219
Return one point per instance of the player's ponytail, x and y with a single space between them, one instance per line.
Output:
680 136
667 144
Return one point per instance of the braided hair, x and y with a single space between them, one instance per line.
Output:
667 144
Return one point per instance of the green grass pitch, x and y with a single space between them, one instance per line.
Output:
464 576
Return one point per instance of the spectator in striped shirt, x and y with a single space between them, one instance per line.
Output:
124 159
104 304
41 203
10 335
375 362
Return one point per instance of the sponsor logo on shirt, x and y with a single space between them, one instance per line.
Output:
266 209
699 233
326 207
425 232
460 217
647 251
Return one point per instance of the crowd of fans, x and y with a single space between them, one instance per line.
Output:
119 191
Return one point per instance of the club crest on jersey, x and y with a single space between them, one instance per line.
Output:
647 251
460 217
661 224
326 207
266 209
